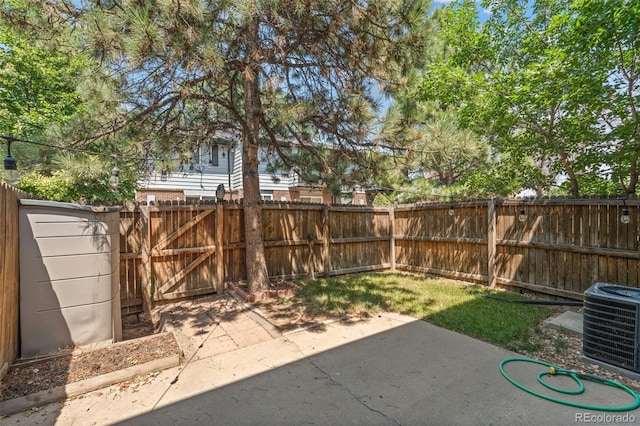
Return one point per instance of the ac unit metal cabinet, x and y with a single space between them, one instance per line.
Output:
611 336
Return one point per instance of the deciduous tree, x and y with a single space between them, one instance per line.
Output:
551 83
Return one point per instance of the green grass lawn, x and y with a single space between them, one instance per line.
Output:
447 303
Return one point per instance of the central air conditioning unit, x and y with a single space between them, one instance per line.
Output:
611 332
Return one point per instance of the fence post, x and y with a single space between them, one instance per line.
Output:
219 249
9 277
145 259
392 238
491 243
326 237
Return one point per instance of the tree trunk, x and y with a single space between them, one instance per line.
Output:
568 167
633 176
257 275
573 180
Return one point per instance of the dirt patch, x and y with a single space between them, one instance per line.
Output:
287 313
74 364
276 290
136 325
280 306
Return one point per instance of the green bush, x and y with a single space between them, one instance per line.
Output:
62 186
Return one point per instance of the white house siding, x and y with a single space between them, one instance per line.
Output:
196 185
204 185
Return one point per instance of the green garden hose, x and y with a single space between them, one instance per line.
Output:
577 377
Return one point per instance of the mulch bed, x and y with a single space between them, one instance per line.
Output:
280 307
72 365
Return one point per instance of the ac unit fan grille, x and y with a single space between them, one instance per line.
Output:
610 332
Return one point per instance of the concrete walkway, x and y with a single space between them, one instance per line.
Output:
386 370
213 325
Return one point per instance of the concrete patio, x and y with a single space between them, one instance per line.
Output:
388 369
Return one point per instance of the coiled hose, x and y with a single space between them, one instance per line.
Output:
577 377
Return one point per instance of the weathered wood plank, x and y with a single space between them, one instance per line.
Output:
9 275
572 249
542 289
359 269
292 243
184 251
145 264
403 237
220 260
326 237
165 286
443 273
129 256
180 230
352 240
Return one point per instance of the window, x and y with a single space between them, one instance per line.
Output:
213 155
266 196
151 198
317 200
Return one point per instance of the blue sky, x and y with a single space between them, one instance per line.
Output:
484 13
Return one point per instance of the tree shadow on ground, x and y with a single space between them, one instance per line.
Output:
198 314
321 301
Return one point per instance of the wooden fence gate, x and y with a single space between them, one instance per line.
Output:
172 251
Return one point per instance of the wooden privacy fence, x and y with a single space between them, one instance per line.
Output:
560 247
169 252
176 251
429 239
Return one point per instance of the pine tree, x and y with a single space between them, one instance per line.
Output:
268 70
